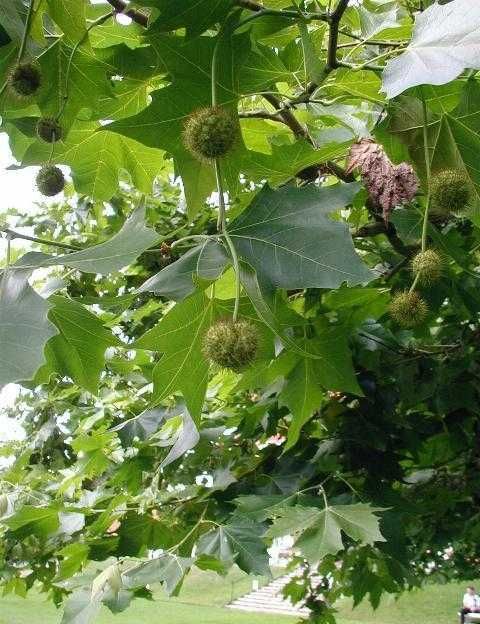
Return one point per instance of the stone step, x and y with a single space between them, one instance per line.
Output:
269 599
271 609
259 600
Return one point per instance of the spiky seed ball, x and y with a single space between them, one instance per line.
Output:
231 344
427 265
408 309
450 191
210 133
49 130
25 79
50 180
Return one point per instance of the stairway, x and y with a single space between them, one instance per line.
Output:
269 599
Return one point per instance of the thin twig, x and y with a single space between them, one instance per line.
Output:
285 13
261 114
288 117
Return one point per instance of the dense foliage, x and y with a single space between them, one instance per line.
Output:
254 310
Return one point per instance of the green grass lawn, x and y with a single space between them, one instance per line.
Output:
203 596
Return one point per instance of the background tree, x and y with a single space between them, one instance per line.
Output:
264 271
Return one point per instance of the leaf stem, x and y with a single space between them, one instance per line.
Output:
427 170
28 22
98 22
222 219
9 251
428 176
190 533
11 234
222 227
191 237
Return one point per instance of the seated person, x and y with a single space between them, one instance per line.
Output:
471 603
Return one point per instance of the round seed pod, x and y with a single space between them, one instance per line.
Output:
49 130
427 265
50 180
210 133
25 80
408 309
232 345
450 192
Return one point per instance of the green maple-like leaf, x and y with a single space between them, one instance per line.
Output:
29 520
195 15
182 366
287 237
98 158
78 351
453 135
167 569
303 395
161 124
238 543
140 532
437 55
176 281
112 255
70 16
319 531
87 81
24 327
80 608
287 160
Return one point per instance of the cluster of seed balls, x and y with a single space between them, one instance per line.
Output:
25 81
450 194
209 133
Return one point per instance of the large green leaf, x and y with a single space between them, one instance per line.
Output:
70 16
287 237
195 15
167 569
206 261
87 80
238 543
29 520
303 395
80 608
161 124
186 438
445 41
182 366
78 351
24 327
97 160
287 160
453 135
319 531
119 251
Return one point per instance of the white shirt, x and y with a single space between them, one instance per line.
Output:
471 602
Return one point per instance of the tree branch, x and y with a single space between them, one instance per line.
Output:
286 13
380 227
122 7
261 114
249 4
288 117
41 241
334 20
